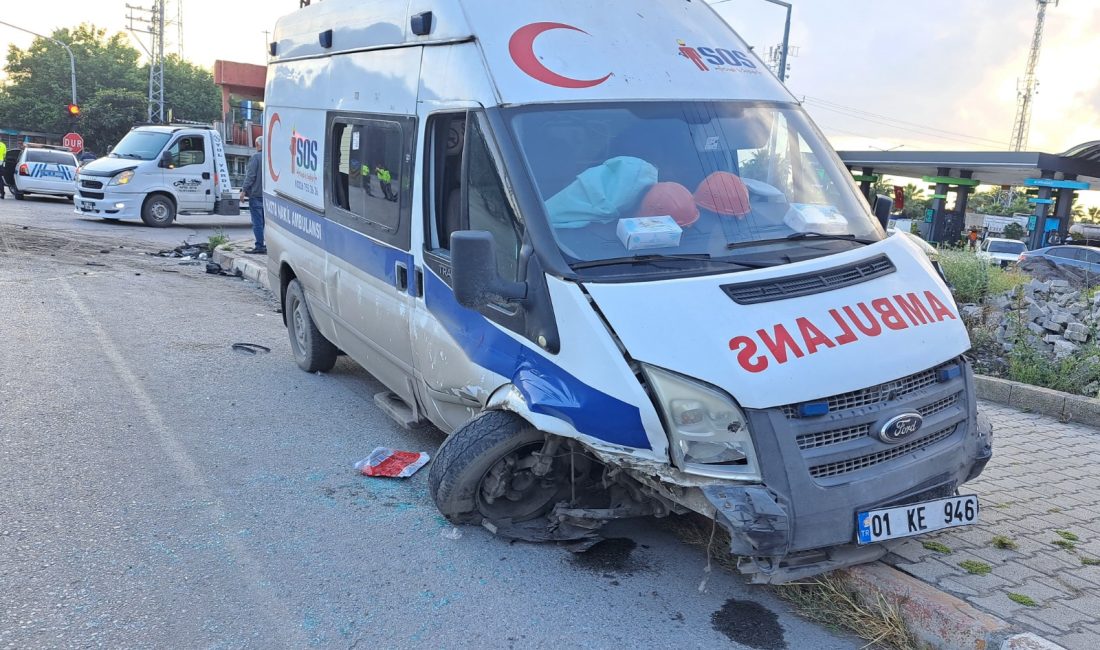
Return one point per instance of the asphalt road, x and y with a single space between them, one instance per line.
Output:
161 490
59 214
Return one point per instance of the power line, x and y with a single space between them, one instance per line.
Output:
858 113
972 141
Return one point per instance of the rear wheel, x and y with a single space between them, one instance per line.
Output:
158 211
312 351
483 472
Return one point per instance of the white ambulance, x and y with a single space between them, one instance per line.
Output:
156 173
606 251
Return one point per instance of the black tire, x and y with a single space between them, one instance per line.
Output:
158 211
19 196
312 351
465 459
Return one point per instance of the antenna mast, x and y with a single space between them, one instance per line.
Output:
1027 87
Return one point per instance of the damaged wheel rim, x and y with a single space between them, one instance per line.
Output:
510 491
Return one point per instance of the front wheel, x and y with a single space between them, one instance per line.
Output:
483 472
312 351
158 211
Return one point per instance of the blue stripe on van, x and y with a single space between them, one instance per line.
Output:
545 386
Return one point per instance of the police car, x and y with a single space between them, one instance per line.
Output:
43 169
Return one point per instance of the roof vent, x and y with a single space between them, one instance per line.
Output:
422 23
325 38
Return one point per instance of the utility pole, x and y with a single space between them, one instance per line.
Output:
1028 86
779 53
151 22
72 59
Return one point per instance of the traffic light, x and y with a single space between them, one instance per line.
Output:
73 110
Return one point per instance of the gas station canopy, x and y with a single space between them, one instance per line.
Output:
990 167
1056 177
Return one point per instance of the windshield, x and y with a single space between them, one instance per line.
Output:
140 145
703 180
1006 247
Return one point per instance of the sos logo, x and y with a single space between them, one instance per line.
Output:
717 57
303 153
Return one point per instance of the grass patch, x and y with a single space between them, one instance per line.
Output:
1068 536
1071 374
1004 543
217 239
937 547
1090 561
1026 601
975 567
829 599
972 279
1065 543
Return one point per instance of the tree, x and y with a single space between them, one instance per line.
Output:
190 91
1014 231
1092 215
109 84
110 115
39 87
915 201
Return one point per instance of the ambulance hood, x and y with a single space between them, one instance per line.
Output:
797 349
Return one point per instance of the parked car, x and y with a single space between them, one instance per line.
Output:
1001 251
1086 258
43 169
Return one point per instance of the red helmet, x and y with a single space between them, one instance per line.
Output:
670 199
724 193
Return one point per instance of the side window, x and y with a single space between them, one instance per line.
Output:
985 246
188 151
487 203
1064 253
1092 257
367 170
468 191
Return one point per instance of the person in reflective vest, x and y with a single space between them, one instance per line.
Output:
385 181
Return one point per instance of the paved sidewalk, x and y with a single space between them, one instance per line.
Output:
1040 494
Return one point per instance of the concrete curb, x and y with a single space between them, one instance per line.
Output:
939 619
252 267
1065 407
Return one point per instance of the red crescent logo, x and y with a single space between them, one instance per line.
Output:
522 48
270 134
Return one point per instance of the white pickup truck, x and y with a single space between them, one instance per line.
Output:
156 173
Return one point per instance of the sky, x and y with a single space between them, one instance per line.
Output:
935 74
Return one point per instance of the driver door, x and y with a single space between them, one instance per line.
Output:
189 173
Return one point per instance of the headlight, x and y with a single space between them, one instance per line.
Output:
123 178
709 434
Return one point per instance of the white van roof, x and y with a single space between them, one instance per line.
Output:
566 50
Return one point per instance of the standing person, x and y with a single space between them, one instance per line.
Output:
3 169
254 190
973 238
384 180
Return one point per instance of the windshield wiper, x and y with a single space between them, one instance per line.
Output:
821 235
799 236
647 259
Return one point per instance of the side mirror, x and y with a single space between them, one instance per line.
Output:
166 160
882 209
474 271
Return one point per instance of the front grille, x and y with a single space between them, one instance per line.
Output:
835 436
91 185
870 460
805 284
91 195
891 390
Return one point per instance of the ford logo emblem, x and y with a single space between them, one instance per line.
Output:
900 427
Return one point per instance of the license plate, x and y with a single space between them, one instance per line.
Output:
916 518
87 205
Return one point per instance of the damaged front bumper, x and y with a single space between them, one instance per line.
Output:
820 472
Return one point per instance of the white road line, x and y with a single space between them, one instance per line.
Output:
266 604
